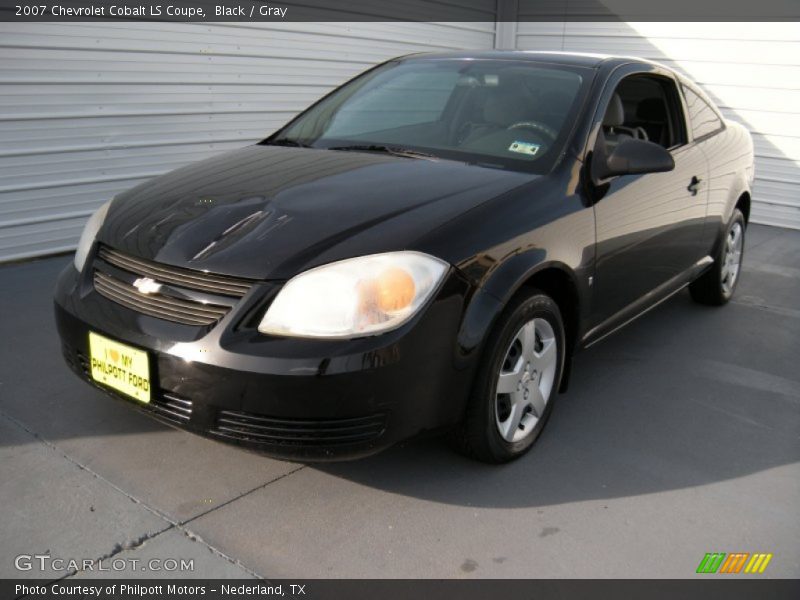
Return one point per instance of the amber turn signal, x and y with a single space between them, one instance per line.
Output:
395 289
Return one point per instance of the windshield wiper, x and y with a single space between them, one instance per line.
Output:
287 142
393 150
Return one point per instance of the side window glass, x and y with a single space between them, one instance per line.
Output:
703 119
645 107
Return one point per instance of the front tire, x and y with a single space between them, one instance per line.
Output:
716 286
516 383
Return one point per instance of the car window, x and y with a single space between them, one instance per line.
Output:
644 107
513 114
703 119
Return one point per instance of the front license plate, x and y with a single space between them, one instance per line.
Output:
121 367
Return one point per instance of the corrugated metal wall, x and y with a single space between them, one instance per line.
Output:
752 70
88 110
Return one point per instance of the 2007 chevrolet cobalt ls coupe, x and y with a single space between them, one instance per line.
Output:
423 249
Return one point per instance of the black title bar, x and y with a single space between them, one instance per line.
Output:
394 589
401 10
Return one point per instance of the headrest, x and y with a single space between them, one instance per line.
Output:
615 113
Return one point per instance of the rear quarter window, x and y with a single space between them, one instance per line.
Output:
703 120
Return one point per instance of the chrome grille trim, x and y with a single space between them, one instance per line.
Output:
157 305
187 278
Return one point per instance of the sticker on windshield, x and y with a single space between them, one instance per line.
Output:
524 148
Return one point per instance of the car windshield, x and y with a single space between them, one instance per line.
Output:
510 114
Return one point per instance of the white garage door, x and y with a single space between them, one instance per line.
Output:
752 70
88 110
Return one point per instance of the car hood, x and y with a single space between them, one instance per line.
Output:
269 212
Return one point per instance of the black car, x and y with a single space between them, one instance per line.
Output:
424 249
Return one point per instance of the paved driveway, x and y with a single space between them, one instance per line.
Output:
680 435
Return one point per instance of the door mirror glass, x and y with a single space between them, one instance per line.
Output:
630 157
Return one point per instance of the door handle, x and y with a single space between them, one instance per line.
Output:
694 184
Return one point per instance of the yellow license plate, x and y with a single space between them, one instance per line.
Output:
121 367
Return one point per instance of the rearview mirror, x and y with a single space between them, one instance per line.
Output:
632 157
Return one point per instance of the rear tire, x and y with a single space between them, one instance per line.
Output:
716 286
517 382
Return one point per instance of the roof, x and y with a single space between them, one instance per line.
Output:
579 59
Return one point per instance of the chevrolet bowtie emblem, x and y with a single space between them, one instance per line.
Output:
146 285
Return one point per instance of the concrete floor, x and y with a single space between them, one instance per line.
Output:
680 435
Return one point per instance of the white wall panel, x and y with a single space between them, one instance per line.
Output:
90 109
752 70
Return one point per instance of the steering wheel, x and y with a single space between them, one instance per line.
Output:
541 128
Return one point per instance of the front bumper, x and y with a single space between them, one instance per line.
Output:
289 398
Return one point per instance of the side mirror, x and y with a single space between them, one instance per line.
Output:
631 157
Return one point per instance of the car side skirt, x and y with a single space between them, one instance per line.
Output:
646 303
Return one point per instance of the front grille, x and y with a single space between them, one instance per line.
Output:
172 407
158 305
185 296
185 278
78 361
248 427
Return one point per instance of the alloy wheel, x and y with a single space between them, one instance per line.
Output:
732 259
525 381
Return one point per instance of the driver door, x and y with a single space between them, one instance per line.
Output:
649 227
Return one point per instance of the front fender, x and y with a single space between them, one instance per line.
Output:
496 290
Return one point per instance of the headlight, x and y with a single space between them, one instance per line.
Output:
355 297
88 235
